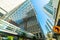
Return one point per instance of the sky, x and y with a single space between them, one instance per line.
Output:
8 5
41 16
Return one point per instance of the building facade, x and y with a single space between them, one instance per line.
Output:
24 17
46 14
57 15
51 11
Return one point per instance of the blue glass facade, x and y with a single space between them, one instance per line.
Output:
21 12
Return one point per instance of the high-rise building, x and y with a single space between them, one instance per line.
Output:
51 10
46 14
24 16
57 21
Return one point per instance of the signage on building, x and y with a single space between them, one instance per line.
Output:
56 29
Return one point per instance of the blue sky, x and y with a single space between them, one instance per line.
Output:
41 16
